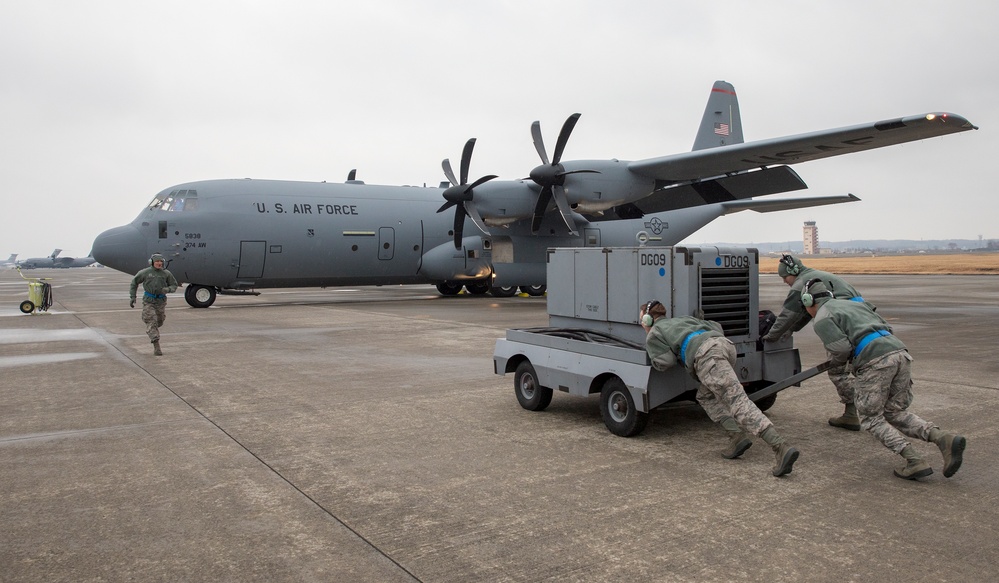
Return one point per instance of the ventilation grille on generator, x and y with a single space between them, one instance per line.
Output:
725 299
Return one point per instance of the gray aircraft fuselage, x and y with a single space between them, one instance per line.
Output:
243 233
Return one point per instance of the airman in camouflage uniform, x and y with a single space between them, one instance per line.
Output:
794 317
851 331
709 357
156 282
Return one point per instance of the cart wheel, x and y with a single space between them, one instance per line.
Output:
534 290
27 306
618 409
766 402
530 394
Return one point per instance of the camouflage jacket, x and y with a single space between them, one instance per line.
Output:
666 339
793 316
156 282
851 331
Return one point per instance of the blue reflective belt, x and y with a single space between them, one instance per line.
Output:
867 340
683 346
856 299
155 296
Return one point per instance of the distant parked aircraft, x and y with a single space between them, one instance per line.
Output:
54 260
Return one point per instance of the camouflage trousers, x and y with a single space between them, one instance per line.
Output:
721 394
843 381
153 314
883 395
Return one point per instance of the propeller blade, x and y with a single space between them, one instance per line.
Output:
482 180
539 144
446 165
445 206
544 197
563 136
459 222
564 209
476 217
466 159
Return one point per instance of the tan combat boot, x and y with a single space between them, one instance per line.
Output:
156 348
952 447
738 441
849 420
786 455
915 466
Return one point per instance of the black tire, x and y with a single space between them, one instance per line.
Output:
534 290
766 402
449 288
503 291
199 296
530 394
27 306
617 408
477 287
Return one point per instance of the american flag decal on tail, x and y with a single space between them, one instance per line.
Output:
721 129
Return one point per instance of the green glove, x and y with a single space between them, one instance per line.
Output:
131 304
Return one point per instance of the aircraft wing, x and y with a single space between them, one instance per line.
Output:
769 206
721 160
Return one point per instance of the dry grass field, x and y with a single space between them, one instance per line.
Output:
922 264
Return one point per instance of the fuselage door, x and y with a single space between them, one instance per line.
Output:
251 259
386 243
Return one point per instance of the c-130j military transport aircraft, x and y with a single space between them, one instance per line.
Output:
233 236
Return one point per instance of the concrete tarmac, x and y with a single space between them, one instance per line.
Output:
361 435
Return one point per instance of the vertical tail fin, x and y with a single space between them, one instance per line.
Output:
721 124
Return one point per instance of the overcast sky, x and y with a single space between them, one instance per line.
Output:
105 103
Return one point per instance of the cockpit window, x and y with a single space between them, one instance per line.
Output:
177 200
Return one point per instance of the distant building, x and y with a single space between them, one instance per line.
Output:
810 238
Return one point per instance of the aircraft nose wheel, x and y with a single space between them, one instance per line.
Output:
199 296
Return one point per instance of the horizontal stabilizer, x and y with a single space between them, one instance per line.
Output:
787 204
724 189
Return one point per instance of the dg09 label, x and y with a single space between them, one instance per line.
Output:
732 261
655 259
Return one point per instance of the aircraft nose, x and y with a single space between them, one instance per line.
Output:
120 248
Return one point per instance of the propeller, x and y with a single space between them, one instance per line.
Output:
459 194
550 176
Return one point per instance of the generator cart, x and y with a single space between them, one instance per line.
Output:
595 344
39 294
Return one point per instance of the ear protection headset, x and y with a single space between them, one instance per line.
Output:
792 267
156 257
647 319
808 299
